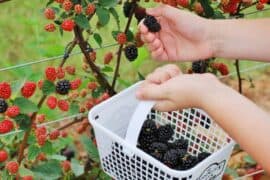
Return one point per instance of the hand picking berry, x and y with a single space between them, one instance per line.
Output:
151 23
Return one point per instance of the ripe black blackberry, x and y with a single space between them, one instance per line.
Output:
69 153
140 13
151 23
202 156
158 149
63 87
165 133
172 157
145 140
188 162
127 8
131 52
149 127
179 144
3 105
199 67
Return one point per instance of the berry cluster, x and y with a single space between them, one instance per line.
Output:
157 142
152 24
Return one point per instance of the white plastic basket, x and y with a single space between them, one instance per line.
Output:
117 123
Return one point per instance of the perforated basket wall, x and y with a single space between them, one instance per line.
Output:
111 119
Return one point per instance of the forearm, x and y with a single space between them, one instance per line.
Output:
243 120
240 39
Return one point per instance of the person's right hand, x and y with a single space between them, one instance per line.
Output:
183 36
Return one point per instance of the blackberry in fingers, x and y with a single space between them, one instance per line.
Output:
63 87
131 52
3 105
199 67
165 133
151 23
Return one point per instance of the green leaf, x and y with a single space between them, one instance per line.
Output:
90 148
74 108
33 152
103 15
141 77
130 35
77 169
108 3
26 106
208 10
107 69
48 170
231 172
116 17
97 92
115 33
49 3
57 157
82 21
98 39
25 172
104 176
218 15
248 159
47 148
48 87
16 86
23 121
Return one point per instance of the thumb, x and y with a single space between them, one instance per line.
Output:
152 92
162 10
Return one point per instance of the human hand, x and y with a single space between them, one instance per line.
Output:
183 35
172 90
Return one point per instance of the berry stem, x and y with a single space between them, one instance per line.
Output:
75 120
237 66
41 101
96 71
119 52
2 1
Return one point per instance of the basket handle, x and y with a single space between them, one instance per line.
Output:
137 120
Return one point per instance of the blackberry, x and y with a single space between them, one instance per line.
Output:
3 105
199 67
179 144
172 157
140 13
165 133
188 162
149 127
145 140
62 87
151 23
69 153
158 149
202 156
131 52
127 8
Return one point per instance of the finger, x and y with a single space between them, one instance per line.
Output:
142 28
154 45
149 37
151 92
163 74
162 10
165 106
157 53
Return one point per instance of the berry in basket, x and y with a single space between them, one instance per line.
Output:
157 142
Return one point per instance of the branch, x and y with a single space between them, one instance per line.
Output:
238 76
2 1
96 71
119 52
41 101
75 121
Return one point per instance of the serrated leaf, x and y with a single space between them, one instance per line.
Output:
49 3
108 3
57 157
116 17
90 148
47 148
77 168
98 39
130 35
25 172
33 152
82 21
208 10
103 15
248 159
26 106
115 33
48 170
74 108
23 121
48 87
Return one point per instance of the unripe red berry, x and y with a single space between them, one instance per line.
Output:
13 111
50 73
89 105
41 157
40 84
92 85
12 167
67 5
90 9
76 84
54 135
78 9
41 131
50 27
3 156
6 126
183 3
41 118
5 90
41 140
66 166
121 38
60 73
70 70
64 134
260 6
83 93
28 178
28 89
68 25
51 102
49 13
59 1
108 57
198 8
63 105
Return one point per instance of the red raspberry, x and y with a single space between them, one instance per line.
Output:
3 156
28 89
260 6
59 1
63 105
49 13
223 69
50 73
76 84
5 90
68 25
40 84
108 58
121 38
198 8
78 9
51 102
12 167
13 111
70 70
54 135
66 166
28 178
67 5
91 8
64 134
6 126
41 140
60 73
50 27
41 131
92 85
41 157
183 3
41 118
